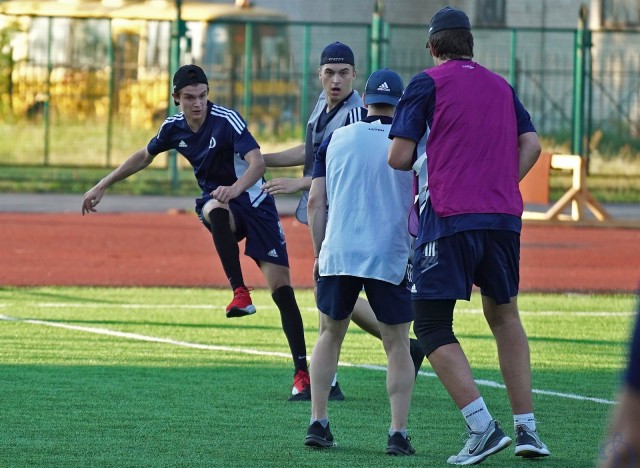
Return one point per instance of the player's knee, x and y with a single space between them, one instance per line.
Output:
208 208
433 324
218 218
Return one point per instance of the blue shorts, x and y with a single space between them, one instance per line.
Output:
390 302
260 226
447 268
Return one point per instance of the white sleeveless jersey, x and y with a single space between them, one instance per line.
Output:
366 234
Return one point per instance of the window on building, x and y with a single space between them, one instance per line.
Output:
620 13
490 13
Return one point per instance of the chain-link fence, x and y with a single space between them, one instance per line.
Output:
89 91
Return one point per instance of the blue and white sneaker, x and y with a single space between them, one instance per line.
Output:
528 443
480 445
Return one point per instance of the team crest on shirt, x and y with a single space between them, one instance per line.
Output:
212 143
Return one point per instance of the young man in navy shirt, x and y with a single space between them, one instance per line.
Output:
229 169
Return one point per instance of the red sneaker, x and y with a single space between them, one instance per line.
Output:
301 390
241 304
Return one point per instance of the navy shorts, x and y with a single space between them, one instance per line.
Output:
447 268
260 226
390 302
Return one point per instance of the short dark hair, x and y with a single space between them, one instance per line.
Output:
452 43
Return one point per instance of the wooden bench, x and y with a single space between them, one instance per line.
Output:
535 189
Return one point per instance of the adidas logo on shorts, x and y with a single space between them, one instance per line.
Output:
272 253
182 144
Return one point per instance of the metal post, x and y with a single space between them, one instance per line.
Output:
512 58
376 33
304 92
110 51
174 64
47 102
578 84
248 68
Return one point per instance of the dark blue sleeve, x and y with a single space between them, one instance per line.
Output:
162 141
524 119
320 159
243 142
415 109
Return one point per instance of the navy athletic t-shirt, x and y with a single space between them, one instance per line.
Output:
216 151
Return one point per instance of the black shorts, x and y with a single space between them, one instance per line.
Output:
391 303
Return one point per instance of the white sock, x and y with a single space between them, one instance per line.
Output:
477 415
526 419
335 379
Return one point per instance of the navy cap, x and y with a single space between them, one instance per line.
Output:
448 18
384 86
337 53
188 75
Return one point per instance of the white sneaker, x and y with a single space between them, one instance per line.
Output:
480 445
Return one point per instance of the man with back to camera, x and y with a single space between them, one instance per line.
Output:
338 105
354 250
229 168
478 142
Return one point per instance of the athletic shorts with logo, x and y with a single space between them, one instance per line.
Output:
391 303
447 268
260 226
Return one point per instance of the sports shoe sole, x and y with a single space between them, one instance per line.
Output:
237 312
302 396
318 442
531 451
397 450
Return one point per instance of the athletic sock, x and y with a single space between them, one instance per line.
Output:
477 415
292 325
335 380
323 422
393 431
527 419
226 246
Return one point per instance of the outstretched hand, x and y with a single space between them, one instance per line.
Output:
281 185
91 199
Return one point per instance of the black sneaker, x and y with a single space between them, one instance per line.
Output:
480 445
528 444
336 394
397 444
318 436
417 355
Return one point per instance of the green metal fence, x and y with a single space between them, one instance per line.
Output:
93 98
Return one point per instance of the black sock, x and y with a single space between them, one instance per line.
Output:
227 246
292 325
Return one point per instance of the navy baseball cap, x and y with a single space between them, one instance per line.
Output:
337 53
384 86
188 75
448 18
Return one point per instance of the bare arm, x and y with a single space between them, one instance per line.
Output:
528 152
134 163
317 215
401 153
287 158
253 173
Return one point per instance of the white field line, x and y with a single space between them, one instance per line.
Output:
80 305
185 344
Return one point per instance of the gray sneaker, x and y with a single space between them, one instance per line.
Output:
480 445
528 444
